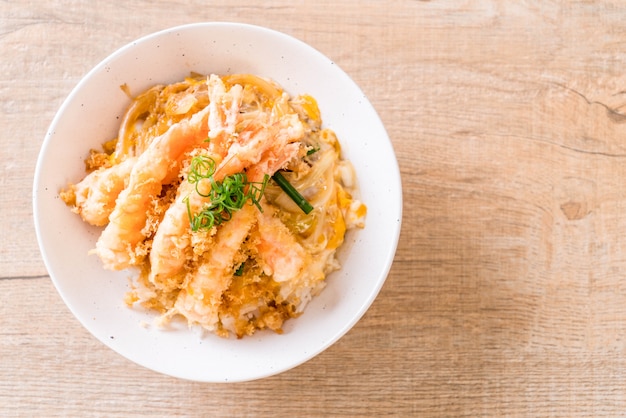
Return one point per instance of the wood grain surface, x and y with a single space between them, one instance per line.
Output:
507 296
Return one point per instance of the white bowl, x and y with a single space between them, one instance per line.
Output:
90 115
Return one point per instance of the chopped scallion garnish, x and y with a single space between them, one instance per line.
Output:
312 151
225 197
292 192
239 271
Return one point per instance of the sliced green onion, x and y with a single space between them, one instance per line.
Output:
225 197
255 193
292 193
239 271
312 151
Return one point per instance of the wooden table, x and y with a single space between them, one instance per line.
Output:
507 296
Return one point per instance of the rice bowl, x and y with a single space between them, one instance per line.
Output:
90 115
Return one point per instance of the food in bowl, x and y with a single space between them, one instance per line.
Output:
227 195
92 113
